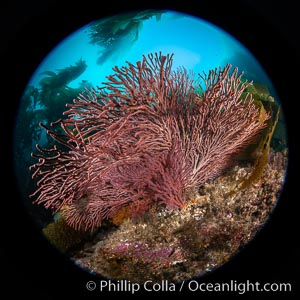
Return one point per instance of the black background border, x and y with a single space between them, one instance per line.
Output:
29 30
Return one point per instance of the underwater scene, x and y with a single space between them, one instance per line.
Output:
150 146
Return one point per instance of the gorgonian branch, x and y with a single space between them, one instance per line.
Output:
148 133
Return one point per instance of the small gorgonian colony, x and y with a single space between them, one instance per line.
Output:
150 135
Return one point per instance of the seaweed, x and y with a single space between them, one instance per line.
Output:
43 103
62 236
261 94
59 79
109 34
259 151
263 149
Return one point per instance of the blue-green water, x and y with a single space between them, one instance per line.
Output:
196 44
87 56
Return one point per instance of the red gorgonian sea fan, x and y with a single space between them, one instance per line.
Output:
150 133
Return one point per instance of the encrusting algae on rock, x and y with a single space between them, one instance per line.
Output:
178 245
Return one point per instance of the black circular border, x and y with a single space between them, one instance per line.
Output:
29 262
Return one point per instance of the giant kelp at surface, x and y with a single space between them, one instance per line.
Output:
111 33
55 91
147 135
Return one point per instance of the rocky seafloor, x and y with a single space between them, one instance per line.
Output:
177 245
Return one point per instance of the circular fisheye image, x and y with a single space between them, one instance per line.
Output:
154 148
